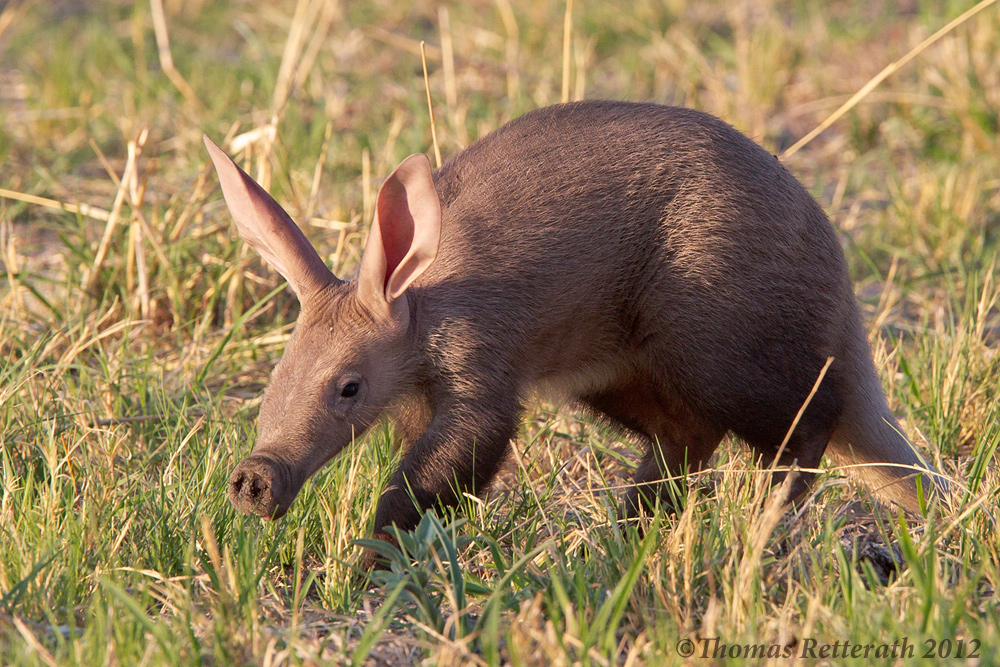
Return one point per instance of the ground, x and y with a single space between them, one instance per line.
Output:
137 332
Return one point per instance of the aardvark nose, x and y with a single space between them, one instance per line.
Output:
258 485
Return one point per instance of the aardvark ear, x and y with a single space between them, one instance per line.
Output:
263 224
404 236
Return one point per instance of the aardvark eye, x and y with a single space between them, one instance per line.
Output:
350 389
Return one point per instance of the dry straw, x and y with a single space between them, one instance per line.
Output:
166 59
883 75
430 105
567 39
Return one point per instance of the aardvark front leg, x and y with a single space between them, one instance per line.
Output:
460 453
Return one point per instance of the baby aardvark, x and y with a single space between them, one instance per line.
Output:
650 263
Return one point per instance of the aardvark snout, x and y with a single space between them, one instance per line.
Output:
260 486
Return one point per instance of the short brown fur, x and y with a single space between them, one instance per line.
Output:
649 263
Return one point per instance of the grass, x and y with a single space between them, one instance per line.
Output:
137 334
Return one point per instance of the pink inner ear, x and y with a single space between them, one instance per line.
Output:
396 226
